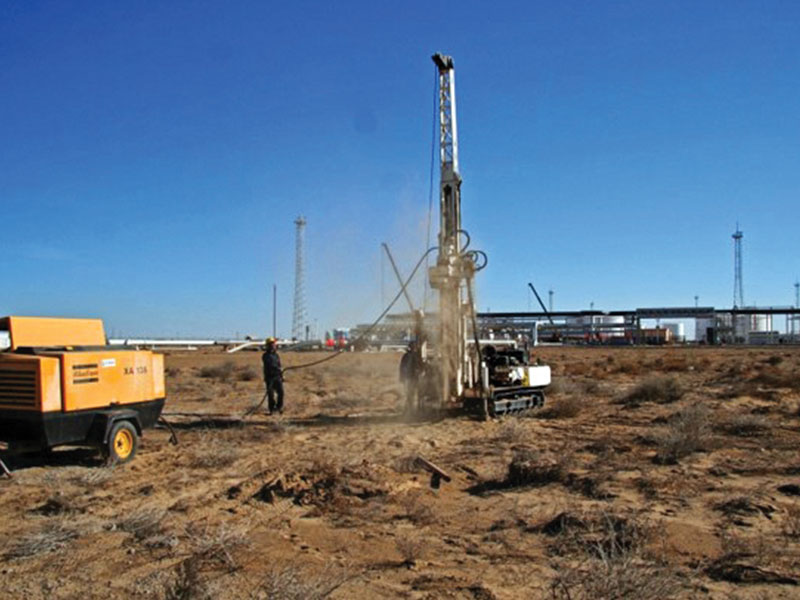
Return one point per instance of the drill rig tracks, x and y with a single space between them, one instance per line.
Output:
507 400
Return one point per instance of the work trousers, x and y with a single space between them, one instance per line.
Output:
275 394
412 396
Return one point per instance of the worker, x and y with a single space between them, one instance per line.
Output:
410 371
273 376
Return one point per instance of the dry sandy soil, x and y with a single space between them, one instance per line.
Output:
652 473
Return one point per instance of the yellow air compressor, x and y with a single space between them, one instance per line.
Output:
60 383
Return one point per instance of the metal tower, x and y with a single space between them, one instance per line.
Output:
738 289
299 317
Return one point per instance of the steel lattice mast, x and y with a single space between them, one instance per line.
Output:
738 287
452 274
797 294
299 316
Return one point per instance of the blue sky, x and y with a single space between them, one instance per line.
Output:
153 155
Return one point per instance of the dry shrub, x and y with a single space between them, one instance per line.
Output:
563 408
661 390
143 523
416 510
325 466
289 582
222 372
530 468
591 386
675 364
776 378
757 548
745 425
742 506
95 476
688 432
629 368
410 547
791 523
56 505
49 538
560 385
599 374
613 562
186 583
512 432
407 463
214 546
211 452
247 374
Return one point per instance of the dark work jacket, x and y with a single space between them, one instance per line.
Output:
272 365
410 366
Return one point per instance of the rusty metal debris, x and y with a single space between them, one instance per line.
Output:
437 474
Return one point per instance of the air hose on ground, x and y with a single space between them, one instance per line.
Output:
363 335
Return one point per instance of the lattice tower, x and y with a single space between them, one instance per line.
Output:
738 287
299 316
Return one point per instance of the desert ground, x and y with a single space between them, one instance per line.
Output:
650 473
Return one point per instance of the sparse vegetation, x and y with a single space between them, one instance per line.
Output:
186 582
142 523
215 545
247 374
416 510
512 431
212 452
221 372
775 377
411 548
563 408
52 536
661 390
530 468
279 508
791 522
96 476
290 582
745 425
688 431
613 561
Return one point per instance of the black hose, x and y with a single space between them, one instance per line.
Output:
173 437
374 323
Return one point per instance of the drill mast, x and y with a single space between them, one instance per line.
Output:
454 271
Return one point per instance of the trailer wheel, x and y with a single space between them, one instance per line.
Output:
122 443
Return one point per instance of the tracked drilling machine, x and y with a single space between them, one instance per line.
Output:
460 370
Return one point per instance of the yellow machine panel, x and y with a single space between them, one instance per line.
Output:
111 378
60 384
30 383
45 331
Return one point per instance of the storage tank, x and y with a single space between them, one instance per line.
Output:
677 330
705 330
611 326
759 322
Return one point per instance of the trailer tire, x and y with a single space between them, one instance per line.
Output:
123 441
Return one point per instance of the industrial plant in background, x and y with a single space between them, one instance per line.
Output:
740 324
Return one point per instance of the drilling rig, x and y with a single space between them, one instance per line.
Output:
462 370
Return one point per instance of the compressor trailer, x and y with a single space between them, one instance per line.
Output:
61 384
